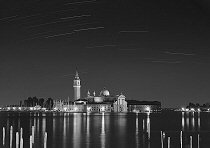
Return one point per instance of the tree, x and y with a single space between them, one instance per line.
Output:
41 102
49 103
34 101
197 105
30 102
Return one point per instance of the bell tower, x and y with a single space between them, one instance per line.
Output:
76 85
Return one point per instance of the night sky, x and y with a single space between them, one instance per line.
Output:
146 49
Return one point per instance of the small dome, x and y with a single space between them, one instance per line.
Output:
104 92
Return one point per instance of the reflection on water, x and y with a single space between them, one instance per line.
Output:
107 130
137 130
88 131
148 129
148 125
192 121
64 130
199 121
183 123
43 124
76 130
103 132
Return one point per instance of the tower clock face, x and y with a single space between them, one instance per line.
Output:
76 82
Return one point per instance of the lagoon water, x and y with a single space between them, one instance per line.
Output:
108 130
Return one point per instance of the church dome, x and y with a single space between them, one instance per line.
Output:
104 92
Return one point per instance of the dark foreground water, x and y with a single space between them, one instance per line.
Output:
109 130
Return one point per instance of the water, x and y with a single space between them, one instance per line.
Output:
109 130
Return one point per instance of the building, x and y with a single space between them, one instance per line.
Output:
101 103
76 86
143 106
120 105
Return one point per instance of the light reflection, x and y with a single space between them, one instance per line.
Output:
103 132
148 125
64 130
43 124
148 128
54 125
137 130
193 121
187 120
199 121
137 123
88 130
143 124
122 122
37 130
183 123
76 130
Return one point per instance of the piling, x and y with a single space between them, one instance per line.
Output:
21 132
17 140
31 141
45 140
3 136
21 142
161 136
198 141
32 134
181 139
169 141
191 142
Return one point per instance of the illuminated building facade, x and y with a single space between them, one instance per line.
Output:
120 105
101 103
143 106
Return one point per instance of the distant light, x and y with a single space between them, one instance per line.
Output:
65 108
199 109
102 108
75 108
164 134
31 108
187 109
183 109
14 108
192 109
208 109
54 108
88 108
147 108
19 108
8 108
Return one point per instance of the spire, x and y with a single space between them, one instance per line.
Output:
88 93
76 75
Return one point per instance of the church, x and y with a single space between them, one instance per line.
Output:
102 102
